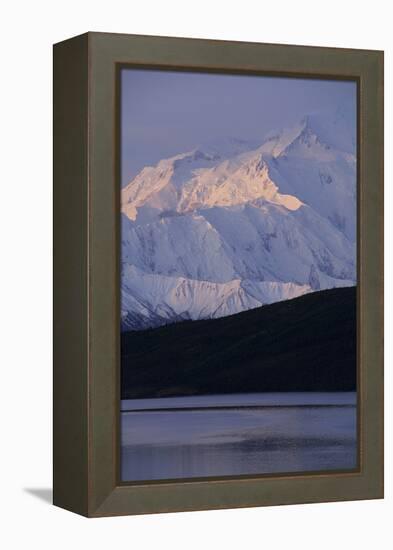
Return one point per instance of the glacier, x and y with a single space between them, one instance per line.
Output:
235 225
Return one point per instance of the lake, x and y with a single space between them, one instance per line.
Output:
240 434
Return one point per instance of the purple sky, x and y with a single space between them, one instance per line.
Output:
164 112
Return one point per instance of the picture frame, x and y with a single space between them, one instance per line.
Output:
86 387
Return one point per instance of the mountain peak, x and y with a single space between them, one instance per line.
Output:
334 130
328 130
233 224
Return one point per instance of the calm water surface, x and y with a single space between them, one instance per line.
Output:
239 434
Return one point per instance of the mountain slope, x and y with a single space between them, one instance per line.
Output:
154 300
256 241
304 344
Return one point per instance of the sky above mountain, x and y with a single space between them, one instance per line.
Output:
164 112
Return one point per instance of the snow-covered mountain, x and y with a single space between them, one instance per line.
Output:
235 225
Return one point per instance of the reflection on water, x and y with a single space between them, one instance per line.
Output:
251 434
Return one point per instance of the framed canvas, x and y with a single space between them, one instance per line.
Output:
218 274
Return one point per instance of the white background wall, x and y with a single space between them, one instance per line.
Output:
28 28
